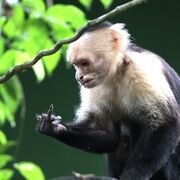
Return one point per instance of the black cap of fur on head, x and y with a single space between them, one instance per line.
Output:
102 25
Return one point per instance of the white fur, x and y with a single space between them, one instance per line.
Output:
125 36
145 79
143 85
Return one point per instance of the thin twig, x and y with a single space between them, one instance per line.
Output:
49 3
18 68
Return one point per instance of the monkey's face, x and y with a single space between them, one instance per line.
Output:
90 72
93 56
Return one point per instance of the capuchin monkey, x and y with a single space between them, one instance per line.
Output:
130 106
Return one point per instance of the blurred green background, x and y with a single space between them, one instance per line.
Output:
154 26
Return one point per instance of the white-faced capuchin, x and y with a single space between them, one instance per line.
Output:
130 106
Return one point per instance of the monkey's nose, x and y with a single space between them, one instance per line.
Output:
81 77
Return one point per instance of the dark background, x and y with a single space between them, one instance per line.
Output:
154 26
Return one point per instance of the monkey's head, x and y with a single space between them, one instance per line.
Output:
97 53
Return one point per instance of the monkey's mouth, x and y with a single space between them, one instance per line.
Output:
89 83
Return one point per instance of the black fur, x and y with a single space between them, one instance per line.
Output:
136 150
173 79
103 25
80 135
133 47
171 76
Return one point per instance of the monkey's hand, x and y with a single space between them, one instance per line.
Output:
50 124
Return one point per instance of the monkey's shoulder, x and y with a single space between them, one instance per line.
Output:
154 71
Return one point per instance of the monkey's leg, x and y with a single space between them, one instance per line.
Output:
152 151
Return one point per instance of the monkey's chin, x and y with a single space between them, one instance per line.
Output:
90 84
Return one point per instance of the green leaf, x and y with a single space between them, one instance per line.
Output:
2 46
34 38
3 139
38 31
18 16
7 110
86 3
9 29
14 89
15 23
7 60
39 71
6 174
35 7
11 95
2 20
106 3
29 171
66 13
8 115
8 145
60 30
2 113
51 62
29 45
5 159
21 57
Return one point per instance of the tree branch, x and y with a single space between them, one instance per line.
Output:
119 9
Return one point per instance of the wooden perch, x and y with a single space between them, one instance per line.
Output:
18 68
83 178
78 176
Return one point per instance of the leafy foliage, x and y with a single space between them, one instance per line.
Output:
4 159
27 28
65 13
30 28
87 3
11 95
5 144
6 174
29 171
106 3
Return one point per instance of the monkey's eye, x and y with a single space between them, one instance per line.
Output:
84 63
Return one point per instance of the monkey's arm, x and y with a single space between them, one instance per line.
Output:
78 135
152 150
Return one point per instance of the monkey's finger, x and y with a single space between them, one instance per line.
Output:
50 111
56 122
40 122
58 118
41 117
59 128
51 107
38 117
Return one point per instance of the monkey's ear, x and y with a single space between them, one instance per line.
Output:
118 27
119 31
